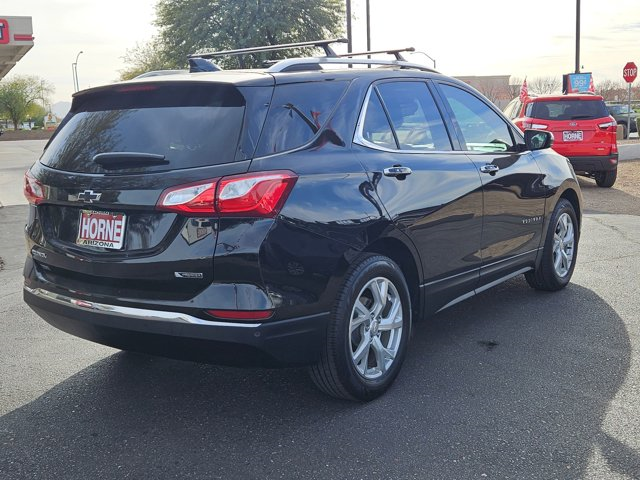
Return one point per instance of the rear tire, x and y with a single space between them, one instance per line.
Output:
559 252
606 179
368 332
625 135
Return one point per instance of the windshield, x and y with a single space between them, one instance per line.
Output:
569 110
187 126
619 109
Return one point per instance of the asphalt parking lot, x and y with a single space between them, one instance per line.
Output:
511 384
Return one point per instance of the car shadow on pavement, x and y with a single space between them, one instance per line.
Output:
515 388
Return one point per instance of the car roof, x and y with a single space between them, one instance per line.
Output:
256 77
568 96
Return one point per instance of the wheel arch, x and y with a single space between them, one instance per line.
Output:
572 197
401 254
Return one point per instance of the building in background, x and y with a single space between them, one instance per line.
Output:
495 87
16 39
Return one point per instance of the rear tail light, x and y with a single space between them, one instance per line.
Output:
526 125
539 126
249 315
33 189
190 199
253 194
608 126
261 194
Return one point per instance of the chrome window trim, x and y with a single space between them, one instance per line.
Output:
130 312
359 139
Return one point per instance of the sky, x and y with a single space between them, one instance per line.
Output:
470 37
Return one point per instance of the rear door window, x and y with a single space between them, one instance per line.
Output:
569 110
298 111
414 115
185 125
376 128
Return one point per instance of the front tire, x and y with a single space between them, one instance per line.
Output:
368 333
559 252
606 179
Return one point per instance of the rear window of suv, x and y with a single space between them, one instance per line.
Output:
189 125
567 110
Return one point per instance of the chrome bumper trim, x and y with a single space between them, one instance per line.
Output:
138 313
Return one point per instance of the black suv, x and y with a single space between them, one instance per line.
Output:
621 114
296 215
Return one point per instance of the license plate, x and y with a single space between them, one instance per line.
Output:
572 136
101 229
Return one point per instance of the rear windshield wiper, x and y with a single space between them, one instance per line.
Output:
119 160
581 117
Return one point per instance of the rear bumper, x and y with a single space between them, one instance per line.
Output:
290 342
598 163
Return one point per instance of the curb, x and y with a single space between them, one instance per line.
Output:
629 152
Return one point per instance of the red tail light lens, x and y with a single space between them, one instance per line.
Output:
610 126
252 194
261 194
33 189
193 199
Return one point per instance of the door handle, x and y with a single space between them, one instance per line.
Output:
397 171
489 168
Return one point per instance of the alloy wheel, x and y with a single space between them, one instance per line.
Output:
563 245
376 328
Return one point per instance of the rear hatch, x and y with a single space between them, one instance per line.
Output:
97 226
580 126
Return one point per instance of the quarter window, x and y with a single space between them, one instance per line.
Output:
298 111
482 128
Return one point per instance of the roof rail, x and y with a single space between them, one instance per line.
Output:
312 63
324 44
396 53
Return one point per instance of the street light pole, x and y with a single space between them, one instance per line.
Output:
74 71
577 36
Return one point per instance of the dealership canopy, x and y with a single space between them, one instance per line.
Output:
16 39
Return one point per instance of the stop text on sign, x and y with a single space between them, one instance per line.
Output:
630 72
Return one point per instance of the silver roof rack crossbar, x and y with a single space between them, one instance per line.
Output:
295 63
396 53
324 44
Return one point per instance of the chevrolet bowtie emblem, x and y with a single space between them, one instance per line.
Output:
89 196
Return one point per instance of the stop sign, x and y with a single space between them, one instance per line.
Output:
630 72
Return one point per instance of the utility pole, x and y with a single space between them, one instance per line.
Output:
368 27
368 30
577 36
349 41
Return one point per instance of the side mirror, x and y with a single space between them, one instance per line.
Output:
538 139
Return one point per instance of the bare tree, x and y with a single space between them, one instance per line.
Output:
544 85
515 84
489 89
611 90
